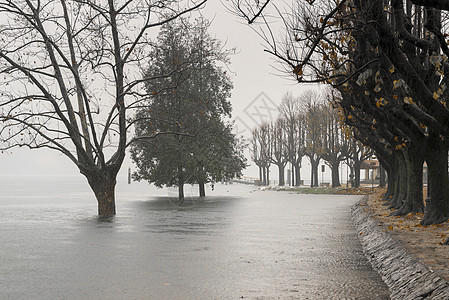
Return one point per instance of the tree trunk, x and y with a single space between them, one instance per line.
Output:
437 161
261 181
202 189
314 164
388 167
401 190
292 177
181 192
264 174
357 164
335 174
281 168
382 182
297 169
268 176
104 190
414 201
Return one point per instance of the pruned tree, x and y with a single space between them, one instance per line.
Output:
71 75
314 132
261 151
291 110
279 147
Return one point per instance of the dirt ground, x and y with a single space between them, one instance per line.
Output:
422 242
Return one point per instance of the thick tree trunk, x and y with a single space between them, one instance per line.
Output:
414 201
401 190
297 169
202 189
281 168
335 174
388 166
437 161
260 175
104 190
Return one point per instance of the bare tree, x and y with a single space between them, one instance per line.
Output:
291 111
71 76
261 151
279 147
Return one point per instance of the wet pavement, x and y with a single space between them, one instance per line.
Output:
238 243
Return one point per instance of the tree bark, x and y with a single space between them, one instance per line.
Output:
268 176
264 171
335 174
297 169
401 181
413 203
437 161
202 189
314 165
103 187
181 192
357 164
281 168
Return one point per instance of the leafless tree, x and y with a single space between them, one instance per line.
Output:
292 112
71 76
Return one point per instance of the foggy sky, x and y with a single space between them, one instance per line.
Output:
252 74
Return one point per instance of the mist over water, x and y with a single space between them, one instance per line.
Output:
238 242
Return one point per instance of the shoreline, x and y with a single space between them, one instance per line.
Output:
406 276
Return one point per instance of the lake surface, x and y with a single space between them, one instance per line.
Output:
237 243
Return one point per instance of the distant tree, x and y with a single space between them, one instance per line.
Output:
279 147
187 111
291 111
314 133
336 145
261 151
70 77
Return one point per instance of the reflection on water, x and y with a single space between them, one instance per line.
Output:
235 243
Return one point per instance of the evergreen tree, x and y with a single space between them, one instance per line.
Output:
186 114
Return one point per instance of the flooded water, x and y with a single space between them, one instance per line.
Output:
237 243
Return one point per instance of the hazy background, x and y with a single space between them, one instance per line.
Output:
258 88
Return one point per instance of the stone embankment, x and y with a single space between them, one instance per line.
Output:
405 276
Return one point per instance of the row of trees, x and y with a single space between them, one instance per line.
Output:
308 127
389 61
187 112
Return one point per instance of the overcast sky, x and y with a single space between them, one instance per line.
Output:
257 89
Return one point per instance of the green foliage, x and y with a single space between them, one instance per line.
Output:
185 137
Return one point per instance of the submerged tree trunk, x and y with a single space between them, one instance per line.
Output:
202 189
103 187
